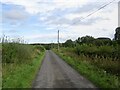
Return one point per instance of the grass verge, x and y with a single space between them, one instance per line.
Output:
23 74
98 76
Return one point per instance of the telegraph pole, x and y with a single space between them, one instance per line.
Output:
58 40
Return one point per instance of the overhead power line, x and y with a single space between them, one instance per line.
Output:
103 6
95 11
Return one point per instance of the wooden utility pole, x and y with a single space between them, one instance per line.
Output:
58 40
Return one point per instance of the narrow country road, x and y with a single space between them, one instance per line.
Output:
55 73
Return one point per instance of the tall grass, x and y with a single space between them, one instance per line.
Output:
101 51
20 63
21 76
105 57
15 51
102 71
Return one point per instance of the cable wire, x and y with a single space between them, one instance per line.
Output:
94 11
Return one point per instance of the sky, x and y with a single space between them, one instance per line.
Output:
38 21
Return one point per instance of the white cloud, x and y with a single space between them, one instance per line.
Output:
14 15
29 5
73 16
70 3
101 23
103 28
41 36
40 6
50 28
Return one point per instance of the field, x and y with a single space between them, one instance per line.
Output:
20 63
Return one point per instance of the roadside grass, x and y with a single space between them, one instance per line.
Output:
96 75
22 75
104 57
20 63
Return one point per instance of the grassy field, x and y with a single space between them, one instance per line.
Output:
97 75
20 63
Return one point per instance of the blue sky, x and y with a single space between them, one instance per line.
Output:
37 21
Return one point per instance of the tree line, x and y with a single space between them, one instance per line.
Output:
96 41
100 47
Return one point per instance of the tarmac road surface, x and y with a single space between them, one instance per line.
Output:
55 73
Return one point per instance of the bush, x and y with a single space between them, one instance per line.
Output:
39 47
101 51
16 53
105 57
86 49
13 51
105 51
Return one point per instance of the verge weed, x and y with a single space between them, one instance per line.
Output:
98 76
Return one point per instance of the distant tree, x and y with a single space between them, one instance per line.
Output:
69 43
87 39
78 40
102 41
117 34
103 38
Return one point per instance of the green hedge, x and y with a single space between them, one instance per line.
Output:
101 51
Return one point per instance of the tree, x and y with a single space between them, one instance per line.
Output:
87 39
78 40
69 43
117 34
102 41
